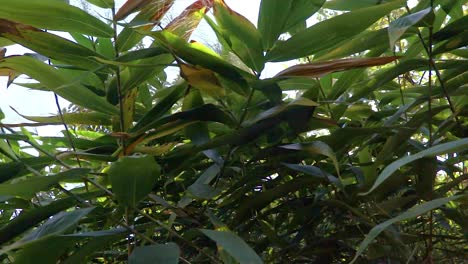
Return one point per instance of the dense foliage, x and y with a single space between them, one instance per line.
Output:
357 153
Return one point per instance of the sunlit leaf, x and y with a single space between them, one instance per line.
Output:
398 27
60 16
329 32
58 82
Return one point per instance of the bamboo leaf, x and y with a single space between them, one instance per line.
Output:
234 245
48 44
158 254
241 35
330 32
102 3
321 68
27 188
58 82
60 16
411 213
439 149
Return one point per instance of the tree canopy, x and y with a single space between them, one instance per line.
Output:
354 154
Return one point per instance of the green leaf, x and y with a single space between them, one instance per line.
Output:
58 82
207 112
192 53
314 171
27 188
398 27
133 177
300 11
87 118
411 213
439 149
271 20
456 27
102 3
156 254
316 147
234 245
162 107
330 32
60 16
58 224
35 250
241 35
49 45
29 218
345 5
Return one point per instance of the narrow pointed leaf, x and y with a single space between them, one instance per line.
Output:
316 147
279 16
57 82
241 35
29 187
411 213
330 32
48 44
157 254
234 245
129 7
60 16
450 147
321 68
102 3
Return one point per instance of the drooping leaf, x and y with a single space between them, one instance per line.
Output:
91 118
133 177
439 149
233 245
57 224
411 213
60 16
48 44
30 218
330 32
27 188
58 82
157 254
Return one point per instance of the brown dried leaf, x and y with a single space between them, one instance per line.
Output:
321 68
